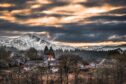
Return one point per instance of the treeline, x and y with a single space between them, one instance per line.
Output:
32 54
69 62
110 72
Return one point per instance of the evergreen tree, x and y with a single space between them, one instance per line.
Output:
51 51
4 57
4 54
32 53
46 50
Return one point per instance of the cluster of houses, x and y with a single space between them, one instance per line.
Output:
49 62
19 59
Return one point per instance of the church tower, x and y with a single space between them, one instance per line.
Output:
49 53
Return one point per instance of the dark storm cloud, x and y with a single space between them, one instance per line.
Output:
14 1
81 38
18 4
71 32
50 6
116 2
19 16
94 32
118 11
8 26
109 18
92 3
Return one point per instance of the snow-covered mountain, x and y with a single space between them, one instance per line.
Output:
31 40
27 41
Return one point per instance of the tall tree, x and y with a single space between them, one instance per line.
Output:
69 63
51 51
4 54
32 53
46 50
4 57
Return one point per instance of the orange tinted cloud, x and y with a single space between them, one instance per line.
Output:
77 13
49 13
107 43
4 5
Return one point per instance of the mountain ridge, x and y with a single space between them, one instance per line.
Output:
38 42
27 41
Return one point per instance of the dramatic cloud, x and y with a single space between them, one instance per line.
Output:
85 21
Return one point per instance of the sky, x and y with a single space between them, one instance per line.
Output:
70 22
